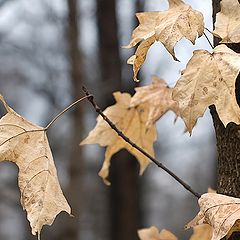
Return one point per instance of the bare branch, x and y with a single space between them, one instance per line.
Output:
125 138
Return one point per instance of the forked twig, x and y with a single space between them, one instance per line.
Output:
90 98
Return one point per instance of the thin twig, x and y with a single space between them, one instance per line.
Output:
208 30
63 111
208 40
112 125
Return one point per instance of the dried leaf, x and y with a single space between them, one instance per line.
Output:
27 145
139 57
159 98
219 211
178 22
227 25
209 79
202 232
168 27
131 121
152 233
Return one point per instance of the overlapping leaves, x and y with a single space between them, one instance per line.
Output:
135 117
167 27
221 212
159 98
131 121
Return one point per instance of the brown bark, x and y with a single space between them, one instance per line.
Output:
228 142
124 197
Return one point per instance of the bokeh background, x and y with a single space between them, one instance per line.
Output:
48 50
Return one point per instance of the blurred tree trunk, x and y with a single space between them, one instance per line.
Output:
228 141
69 229
124 191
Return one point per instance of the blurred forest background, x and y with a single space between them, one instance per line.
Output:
48 50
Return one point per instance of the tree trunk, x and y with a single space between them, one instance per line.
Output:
124 191
69 228
228 141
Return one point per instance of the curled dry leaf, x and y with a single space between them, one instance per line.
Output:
221 212
131 121
209 79
168 27
227 25
159 98
152 233
27 145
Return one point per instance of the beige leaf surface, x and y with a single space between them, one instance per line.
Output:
152 233
202 232
27 145
168 27
227 25
139 57
221 212
159 98
209 79
132 122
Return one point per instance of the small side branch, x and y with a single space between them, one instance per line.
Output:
125 138
63 111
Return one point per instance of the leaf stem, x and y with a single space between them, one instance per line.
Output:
208 30
208 40
125 138
63 111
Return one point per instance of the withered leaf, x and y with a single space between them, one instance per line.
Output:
221 212
209 79
132 122
202 232
159 98
27 145
168 27
152 233
227 25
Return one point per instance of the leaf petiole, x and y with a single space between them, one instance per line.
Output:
63 111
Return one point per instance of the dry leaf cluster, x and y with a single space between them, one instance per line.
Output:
167 27
135 117
209 78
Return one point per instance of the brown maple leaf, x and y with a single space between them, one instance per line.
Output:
27 145
221 212
168 27
153 233
159 98
227 25
209 79
132 122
